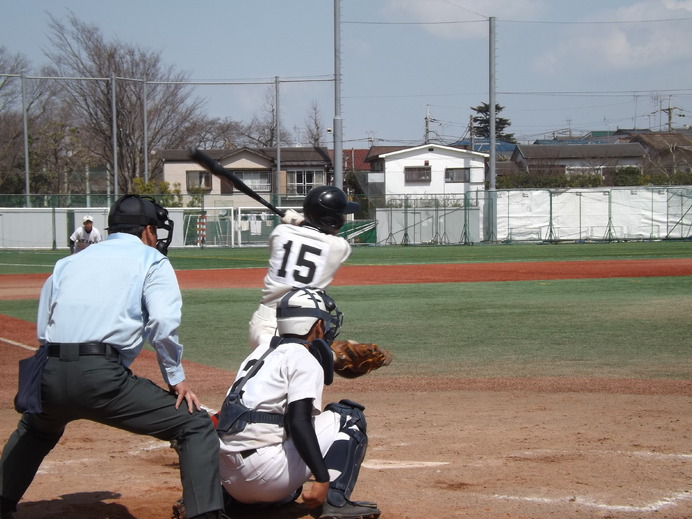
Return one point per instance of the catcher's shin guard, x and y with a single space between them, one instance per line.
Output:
346 454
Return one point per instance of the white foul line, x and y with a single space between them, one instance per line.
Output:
393 464
648 507
13 343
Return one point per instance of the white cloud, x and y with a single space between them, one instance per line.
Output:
625 46
474 12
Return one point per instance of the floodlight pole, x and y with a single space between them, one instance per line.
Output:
492 194
26 143
277 121
338 128
114 129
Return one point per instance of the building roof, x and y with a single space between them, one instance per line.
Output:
482 145
377 152
290 156
354 159
579 151
664 141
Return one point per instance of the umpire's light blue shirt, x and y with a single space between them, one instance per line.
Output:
120 292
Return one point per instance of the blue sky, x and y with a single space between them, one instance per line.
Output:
561 65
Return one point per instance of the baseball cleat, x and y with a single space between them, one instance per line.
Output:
351 510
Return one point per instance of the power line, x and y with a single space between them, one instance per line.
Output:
541 22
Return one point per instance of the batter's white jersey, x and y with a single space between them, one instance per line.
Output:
83 239
298 257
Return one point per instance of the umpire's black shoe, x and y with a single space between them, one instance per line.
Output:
216 514
351 510
6 508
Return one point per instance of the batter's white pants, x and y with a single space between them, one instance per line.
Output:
262 326
273 473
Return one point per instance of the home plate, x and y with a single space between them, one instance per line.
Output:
392 464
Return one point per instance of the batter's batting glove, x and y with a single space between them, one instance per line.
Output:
292 217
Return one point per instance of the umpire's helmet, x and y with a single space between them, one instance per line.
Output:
301 308
324 207
130 212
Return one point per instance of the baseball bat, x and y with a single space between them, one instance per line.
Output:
215 168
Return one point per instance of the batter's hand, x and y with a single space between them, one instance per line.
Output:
183 392
292 217
316 494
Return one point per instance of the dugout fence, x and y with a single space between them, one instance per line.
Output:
507 216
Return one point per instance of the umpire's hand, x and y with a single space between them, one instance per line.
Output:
183 392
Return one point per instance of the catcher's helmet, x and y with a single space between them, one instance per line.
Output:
301 308
324 207
133 211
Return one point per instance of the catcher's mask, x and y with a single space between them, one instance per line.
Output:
301 308
324 207
130 212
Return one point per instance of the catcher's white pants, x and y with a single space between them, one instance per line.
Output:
273 473
262 326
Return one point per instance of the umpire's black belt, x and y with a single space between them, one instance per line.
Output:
74 350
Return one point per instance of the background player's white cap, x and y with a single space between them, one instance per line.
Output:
88 218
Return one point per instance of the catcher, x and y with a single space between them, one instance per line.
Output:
306 252
275 437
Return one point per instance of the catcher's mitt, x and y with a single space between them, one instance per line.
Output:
353 359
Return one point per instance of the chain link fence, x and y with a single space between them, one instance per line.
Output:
507 216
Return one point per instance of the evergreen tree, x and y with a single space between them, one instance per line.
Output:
481 123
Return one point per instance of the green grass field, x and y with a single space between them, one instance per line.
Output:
25 261
622 327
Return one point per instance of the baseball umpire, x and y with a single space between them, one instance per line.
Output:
274 434
82 364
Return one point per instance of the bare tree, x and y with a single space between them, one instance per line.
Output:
37 98
219 134
79 50
261 130
313 126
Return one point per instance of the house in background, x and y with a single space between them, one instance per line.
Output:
288 175
578 159
428 169
666 153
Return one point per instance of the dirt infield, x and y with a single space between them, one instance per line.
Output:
443 448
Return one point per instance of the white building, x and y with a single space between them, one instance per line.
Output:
428 169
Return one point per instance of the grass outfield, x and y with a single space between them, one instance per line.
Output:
26 262
621 327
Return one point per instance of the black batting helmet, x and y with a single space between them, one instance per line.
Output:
132 211
324 207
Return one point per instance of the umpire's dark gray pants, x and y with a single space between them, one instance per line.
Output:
100 389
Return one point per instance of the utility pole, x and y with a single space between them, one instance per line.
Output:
669 112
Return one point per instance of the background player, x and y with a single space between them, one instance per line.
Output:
84 235
267 461
305 254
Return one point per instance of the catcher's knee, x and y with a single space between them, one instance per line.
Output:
351 415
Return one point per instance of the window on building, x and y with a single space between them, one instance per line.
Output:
259 180
455 175
198 181
417 175
300 181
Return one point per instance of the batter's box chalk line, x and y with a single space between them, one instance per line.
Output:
394 464
663 502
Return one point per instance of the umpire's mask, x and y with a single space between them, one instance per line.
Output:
132 211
